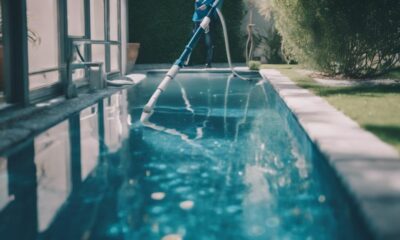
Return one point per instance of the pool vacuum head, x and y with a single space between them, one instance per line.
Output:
173 71
146 114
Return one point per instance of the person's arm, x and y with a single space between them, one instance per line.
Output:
205 4
208 3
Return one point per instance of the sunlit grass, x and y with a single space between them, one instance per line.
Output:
375 108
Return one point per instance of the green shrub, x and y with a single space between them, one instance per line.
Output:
254 65
356 38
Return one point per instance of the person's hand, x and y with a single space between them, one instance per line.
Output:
202 7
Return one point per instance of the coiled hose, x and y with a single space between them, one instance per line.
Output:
227 47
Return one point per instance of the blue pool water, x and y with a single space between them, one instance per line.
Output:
210 167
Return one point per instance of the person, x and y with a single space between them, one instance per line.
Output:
201 8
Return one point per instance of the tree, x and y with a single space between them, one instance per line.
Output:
358 38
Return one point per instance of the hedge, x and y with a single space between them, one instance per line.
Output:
357 38
163 27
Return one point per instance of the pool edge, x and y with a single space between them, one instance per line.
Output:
23 124
365 165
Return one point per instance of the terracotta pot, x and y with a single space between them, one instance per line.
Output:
132 54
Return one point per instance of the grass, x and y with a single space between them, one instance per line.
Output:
375 108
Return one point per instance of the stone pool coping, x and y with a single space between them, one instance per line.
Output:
368 168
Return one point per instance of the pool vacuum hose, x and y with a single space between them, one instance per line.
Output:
179 63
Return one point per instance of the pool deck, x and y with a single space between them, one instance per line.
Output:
368 168
20 124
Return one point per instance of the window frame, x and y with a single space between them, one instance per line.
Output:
15 45
55 89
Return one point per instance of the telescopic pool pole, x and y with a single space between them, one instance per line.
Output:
173 71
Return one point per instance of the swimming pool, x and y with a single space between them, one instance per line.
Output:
223 159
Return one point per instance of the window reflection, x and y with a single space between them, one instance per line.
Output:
112 123
52 158
5 197
76 18
90 146
43 43
18 216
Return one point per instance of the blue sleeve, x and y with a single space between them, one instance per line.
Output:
208 2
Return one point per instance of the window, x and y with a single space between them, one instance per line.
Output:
76 28
114 35
97 28
76 18
97 19
114 20
79 74
43 43
35 72
98 53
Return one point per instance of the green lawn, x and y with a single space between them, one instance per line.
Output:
375 108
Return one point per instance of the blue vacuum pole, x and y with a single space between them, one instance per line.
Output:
173 71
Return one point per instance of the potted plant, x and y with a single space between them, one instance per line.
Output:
132 54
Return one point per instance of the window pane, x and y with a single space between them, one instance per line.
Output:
79 74
43 45
52 159
41 80
76 18
97 19
114 58
114 20
1 64
98 53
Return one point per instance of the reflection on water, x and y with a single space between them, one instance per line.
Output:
52 160
112 123
102 175
89 129
42 177
5 198
19 217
